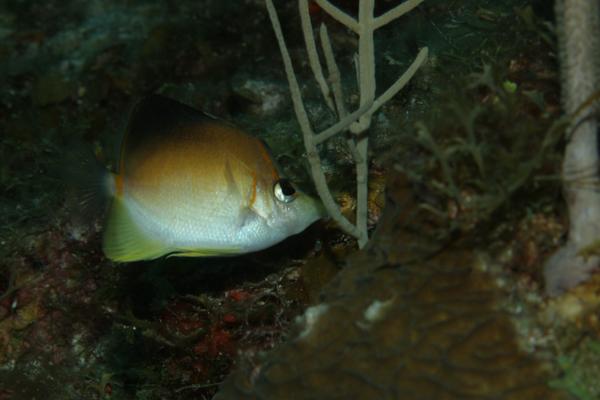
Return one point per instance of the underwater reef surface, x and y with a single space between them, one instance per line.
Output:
447 302
388 328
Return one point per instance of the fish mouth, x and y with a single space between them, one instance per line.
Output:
308 211
317 209
322 211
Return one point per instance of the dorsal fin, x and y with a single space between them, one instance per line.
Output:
155 116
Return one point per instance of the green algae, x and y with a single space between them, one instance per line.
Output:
51 88
579 371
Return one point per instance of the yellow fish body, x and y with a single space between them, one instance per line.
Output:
190 185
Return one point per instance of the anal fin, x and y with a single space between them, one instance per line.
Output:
124 241
205 253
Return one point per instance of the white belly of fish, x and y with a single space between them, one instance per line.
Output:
219 227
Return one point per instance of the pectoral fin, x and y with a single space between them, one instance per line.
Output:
247 216
232 187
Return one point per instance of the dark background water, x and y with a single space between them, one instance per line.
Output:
73 325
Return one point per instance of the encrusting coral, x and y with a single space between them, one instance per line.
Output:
386 328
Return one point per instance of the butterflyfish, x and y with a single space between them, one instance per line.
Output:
189 184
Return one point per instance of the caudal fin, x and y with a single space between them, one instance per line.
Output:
87 183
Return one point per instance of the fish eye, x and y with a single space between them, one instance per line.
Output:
284 191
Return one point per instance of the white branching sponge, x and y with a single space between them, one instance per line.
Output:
358 121
578 23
